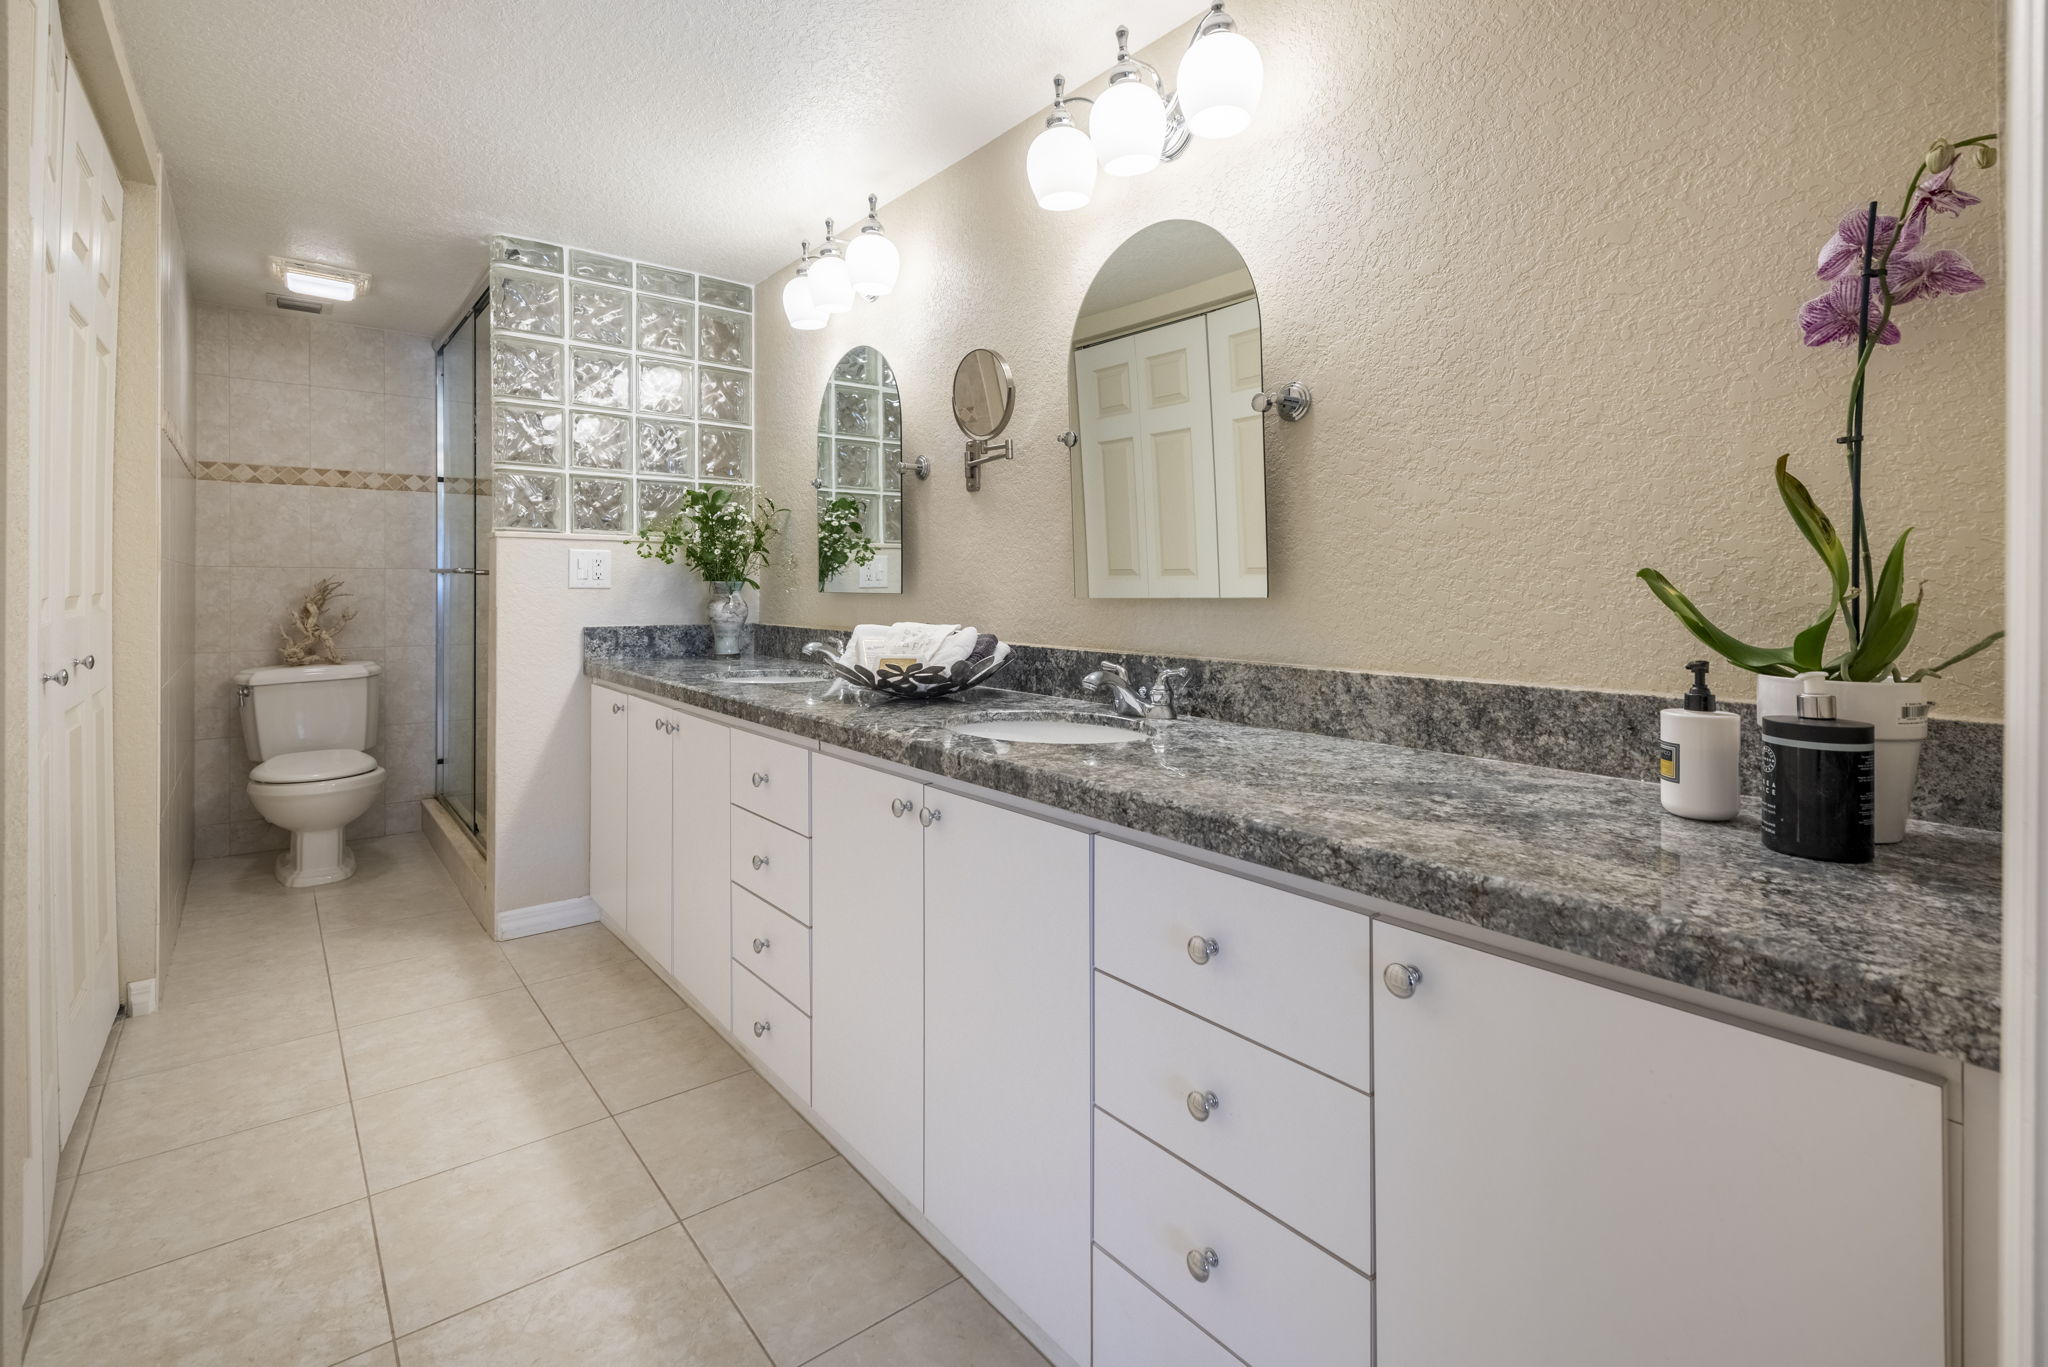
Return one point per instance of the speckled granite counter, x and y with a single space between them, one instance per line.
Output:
1905 949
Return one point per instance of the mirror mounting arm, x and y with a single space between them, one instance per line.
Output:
980 453
1291 400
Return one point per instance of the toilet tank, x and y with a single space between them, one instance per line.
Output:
289 708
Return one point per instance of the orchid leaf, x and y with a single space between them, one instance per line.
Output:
1870 658
1756 659
1934 671
1811 644
1814 526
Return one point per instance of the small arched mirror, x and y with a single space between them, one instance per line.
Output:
984 395
860 477
1169 477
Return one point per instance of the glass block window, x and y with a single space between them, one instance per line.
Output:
617 386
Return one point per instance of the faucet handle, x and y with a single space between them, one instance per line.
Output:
1112 667
1165 691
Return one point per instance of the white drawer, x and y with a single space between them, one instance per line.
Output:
1134 1328
1287 1139
772 946
1272 1297
1292 973
772 777
774 1032
772 863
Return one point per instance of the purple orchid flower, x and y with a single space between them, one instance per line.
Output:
1940 193
1833 316
1931 276
1843 253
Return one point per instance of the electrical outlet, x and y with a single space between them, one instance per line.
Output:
590 569
875 574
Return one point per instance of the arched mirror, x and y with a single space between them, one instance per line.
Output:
1169 476
860 477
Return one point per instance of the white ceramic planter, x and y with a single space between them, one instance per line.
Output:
1895 710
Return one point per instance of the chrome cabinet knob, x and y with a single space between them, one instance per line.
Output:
84 663
617 708
901 806
1201 1262
760 944
1202 1105
760 780
760 1029
1402 980
62 678
760 861
1202 949
929 816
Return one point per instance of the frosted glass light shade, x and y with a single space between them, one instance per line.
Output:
1128 127
320 286
831 286
871 264
1061 166
1219 84
804 314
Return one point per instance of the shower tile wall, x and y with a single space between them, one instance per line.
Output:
316 450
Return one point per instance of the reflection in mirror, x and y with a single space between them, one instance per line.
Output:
860 477
983 394
1169 478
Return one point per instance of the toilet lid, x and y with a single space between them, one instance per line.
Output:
313 766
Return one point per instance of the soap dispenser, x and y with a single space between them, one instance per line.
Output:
1698 753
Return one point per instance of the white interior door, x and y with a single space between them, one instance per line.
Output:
1111 495
1235 374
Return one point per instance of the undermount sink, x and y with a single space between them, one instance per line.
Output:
1050 731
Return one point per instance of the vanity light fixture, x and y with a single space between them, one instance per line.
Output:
1061 162
802 311
318 282
872 259
831 284
1220 78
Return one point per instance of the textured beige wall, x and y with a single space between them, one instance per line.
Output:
1539 263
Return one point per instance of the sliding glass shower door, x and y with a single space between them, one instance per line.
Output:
462 601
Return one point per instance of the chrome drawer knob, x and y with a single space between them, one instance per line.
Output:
617 708
760 780
1401 980
62 678
929 816
761 944
1201 1262
760 861
1202 949
901 806
1202 1105
85 663
760 1029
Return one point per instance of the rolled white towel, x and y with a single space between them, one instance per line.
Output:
938 645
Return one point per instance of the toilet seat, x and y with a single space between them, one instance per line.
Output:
312 766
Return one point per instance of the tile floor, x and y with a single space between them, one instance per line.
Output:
359 1132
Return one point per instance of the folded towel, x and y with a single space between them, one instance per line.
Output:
938 646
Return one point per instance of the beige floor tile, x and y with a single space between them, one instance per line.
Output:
459 1238
184 1033
457 973
210 938
652 1303
442 1039
156 1112
952 1327
81 1133
429 1127
815 1259
353 947
288 961
388 908
602 998
156 1209
558 953
384 1355
722 1140
303 1295
653 1058
244 884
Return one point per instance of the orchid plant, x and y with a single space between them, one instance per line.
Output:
1874 265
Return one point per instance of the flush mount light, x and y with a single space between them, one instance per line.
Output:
831 285
803 312
317 281
1061 162
872 259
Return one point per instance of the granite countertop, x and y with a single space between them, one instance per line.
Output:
1905 949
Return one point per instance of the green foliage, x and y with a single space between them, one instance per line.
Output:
721 537
841 540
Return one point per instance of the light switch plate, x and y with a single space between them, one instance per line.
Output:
590 569
875 574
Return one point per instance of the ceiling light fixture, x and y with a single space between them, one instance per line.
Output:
318 281
831 285
1061 162
803 312
872 259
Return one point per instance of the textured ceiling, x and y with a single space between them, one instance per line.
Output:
392 136
1165 256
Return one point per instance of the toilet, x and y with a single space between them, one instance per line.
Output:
310 727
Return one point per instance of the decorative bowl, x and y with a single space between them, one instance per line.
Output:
924 681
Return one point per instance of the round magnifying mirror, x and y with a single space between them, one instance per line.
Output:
983 394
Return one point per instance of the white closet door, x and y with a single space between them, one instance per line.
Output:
1235 374
1177 460
1111 490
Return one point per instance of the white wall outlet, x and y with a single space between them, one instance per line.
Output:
590 569
875 574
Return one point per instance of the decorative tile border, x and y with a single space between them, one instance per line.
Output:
320 477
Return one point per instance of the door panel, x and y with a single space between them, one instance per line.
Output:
650 824
1235 375
701 890
1112 496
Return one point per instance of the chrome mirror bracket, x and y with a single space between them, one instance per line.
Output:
1291 400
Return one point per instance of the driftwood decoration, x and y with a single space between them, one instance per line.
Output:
309 637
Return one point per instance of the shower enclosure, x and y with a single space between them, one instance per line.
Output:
462 597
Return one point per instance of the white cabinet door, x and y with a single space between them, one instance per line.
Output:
1006 1171
1569 1176
610 730
650 817
867 966
700 893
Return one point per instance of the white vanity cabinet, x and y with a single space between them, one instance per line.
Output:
650 826
700 894
610 737
1571 1176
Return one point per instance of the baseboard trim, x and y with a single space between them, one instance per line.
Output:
534 920
142 997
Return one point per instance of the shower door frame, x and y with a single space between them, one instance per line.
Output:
444 574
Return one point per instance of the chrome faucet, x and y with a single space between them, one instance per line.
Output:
1160 702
